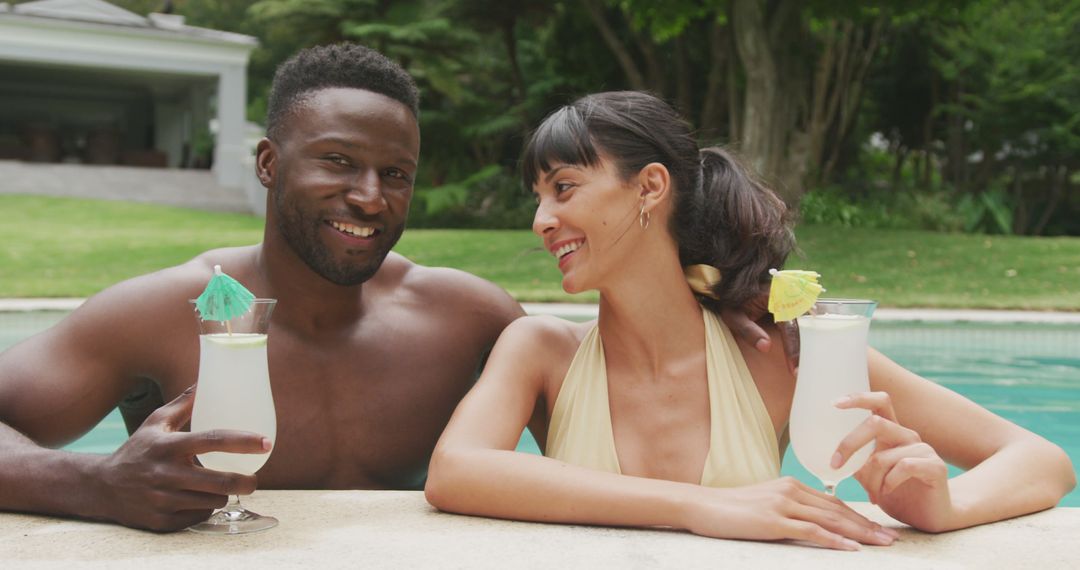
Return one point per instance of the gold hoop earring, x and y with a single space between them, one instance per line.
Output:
643 216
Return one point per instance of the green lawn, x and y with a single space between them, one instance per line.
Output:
53 247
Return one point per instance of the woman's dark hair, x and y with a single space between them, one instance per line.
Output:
723 215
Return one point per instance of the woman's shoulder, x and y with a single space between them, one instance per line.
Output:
541 343
542 347
547 333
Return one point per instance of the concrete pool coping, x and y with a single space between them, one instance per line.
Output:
398 529
589 310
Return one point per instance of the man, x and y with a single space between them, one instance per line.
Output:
369 353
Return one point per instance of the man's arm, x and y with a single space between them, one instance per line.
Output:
57 385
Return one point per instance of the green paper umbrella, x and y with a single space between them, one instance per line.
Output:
224 298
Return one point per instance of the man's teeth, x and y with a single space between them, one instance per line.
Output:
572 246
358 231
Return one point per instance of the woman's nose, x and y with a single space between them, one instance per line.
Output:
544 220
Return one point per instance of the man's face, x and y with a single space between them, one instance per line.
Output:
341 180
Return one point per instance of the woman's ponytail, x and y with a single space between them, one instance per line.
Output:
735 223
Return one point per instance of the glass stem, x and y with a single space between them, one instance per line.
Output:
234 503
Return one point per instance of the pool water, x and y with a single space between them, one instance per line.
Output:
1027 373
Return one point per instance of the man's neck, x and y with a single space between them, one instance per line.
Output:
306 300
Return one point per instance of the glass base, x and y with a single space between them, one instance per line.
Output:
234 519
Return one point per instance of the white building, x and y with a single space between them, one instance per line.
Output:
84 81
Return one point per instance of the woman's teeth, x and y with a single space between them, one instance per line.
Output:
570 247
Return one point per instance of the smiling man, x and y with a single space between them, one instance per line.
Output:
369 353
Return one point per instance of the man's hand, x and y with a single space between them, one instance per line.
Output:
153 482
743 322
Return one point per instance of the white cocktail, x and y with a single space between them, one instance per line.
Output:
832 364
233 393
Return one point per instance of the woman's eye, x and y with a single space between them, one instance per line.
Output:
561 187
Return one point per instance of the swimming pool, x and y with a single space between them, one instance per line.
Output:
1028 373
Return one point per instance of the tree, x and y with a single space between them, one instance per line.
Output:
1014 105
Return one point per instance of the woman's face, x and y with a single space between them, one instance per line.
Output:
588 219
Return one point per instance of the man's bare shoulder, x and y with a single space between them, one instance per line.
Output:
178 283
448 288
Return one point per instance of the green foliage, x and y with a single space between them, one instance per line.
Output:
436 200
1015 111
911 210
988 212
490 198
668 20
978 101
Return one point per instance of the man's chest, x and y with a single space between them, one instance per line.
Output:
361 417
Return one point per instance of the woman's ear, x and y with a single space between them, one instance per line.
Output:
265 162
655 182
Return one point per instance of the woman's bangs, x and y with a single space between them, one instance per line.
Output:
561 139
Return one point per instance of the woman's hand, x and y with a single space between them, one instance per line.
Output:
904 475
781 509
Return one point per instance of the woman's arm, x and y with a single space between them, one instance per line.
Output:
918 425
474 470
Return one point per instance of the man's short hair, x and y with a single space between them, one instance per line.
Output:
339 65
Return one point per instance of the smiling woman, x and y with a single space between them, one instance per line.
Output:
656 414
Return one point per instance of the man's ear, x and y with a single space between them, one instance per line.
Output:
655 182
266 162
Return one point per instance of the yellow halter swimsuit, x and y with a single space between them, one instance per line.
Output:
743 448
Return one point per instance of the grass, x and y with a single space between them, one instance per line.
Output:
58 247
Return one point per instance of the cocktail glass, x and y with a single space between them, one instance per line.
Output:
833 364
234 393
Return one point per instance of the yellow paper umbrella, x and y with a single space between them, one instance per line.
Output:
793 292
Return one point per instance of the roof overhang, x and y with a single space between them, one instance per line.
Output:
96 34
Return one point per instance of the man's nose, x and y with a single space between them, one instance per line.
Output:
365 192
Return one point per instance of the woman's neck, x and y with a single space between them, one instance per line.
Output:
650 316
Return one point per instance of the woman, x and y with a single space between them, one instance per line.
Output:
670 420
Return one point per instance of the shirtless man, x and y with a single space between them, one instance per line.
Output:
369 353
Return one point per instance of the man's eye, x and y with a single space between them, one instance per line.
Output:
395 173
338 159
